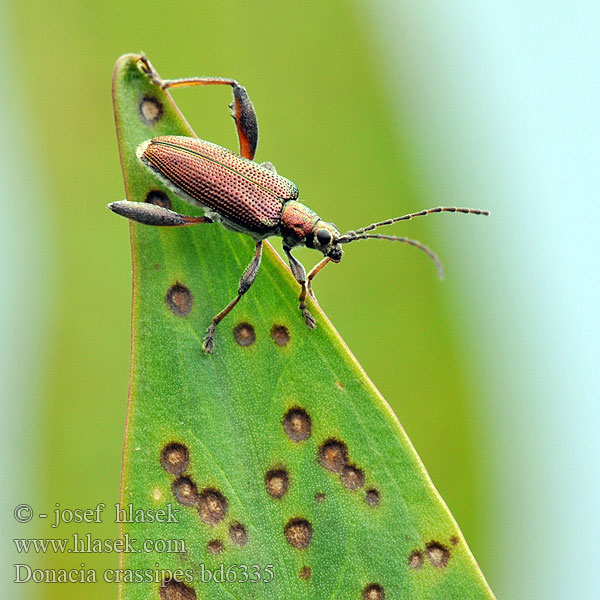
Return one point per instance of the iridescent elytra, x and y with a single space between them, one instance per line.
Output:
247 197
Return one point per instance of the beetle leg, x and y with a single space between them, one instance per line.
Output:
312 274
300 275
242 110
245 282
152 214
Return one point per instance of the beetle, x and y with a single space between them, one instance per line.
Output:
246 197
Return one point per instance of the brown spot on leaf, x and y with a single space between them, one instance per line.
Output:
280 335
352 477
150 110
277 483
179 299
320 497
340 385
215 546
373 591
185 491
298 533
174 458
212 506
297 424
305 572
244 334
454 540
238 534
438 554
171 589
333 455
372 497
159 198
415 559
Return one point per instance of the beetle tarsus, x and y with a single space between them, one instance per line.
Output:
208 345
148 69
308 318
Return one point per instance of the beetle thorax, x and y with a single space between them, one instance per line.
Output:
297 222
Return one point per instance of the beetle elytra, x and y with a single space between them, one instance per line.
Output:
246 197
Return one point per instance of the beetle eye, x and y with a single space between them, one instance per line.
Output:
323 237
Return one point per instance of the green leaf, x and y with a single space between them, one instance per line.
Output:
279 458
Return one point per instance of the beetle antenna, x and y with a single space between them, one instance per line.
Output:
352 236
422 213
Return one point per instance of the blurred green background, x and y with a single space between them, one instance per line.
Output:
374 109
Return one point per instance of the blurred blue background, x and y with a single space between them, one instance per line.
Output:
374 109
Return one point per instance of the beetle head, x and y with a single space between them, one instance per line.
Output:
324 237
302 226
